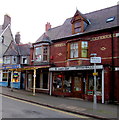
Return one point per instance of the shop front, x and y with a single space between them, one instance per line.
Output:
10 76
77 82
37 78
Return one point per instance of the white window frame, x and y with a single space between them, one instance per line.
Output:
23 60
74 50
7 60
14 57
40 57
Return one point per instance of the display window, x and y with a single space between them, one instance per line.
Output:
90 84
15 77
5 76
61 82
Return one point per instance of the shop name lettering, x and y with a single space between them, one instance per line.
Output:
103 37
60 45
76 68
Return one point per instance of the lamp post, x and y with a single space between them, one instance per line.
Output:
95 60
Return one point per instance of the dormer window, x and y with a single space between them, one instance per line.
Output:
79 23
77 27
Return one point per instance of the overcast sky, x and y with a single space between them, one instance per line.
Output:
30 16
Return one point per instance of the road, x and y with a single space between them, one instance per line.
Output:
14 108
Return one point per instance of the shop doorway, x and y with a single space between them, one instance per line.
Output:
45 80
77 86
9 78
30 79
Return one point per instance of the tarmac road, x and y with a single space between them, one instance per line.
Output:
14 108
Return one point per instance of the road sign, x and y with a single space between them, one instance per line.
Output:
95 60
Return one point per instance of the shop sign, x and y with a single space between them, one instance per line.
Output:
95 60
11 67
75 68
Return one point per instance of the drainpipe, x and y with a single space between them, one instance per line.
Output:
112 66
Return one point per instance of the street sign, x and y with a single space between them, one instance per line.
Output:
95 60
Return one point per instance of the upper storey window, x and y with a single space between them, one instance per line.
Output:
78 49
41 53
79 23
7 60
77 27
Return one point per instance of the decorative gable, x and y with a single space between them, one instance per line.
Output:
79 23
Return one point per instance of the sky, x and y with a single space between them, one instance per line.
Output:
30 16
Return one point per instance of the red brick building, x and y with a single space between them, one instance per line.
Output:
63 55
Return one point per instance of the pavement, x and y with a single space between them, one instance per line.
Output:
74 105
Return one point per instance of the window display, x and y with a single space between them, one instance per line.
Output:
90 85
61 82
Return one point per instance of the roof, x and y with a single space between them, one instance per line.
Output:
97 21
17 49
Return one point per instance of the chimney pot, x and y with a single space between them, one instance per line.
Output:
17 38
47 26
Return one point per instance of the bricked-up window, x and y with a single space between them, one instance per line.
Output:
73 50
78 49
41 53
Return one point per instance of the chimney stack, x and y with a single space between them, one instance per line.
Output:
7 21
17 38
47 26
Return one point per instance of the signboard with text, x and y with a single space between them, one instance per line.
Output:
95 60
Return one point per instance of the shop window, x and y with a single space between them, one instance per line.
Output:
61 82
14 59
41 53
57 83
78 49
77 84
90 85
67 84
7 60
5 76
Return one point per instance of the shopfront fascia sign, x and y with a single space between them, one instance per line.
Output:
75 68
11 67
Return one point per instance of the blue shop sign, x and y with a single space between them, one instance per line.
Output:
11 67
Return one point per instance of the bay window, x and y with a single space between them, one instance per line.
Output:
41 53
73 50
78 49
